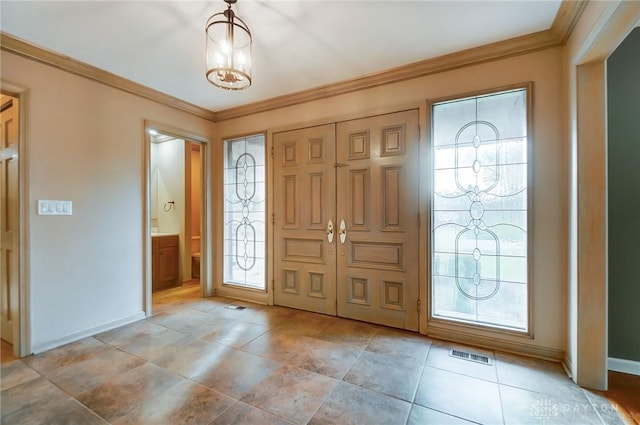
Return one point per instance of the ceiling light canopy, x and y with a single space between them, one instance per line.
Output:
228 50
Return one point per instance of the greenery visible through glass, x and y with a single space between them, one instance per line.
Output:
244 212
479 250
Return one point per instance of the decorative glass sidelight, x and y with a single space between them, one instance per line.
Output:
244 212
479 248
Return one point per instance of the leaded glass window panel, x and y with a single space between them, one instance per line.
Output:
244 212
479 249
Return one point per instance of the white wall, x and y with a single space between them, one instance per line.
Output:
549 160
85 143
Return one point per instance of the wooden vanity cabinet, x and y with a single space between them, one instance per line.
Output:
164 259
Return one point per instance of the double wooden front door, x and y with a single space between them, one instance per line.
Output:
346 219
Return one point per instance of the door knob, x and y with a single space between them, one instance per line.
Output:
343 231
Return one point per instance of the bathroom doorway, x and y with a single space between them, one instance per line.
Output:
176 216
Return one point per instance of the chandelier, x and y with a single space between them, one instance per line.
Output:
228 50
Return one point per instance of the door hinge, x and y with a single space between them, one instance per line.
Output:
273 219
419 132
418 221
418 307
272 152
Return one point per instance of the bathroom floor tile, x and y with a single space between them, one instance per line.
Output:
270 317
236 373
468 398
291 393
385 374
244 414
306 323
353 405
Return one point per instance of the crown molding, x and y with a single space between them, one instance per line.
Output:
563 24
28 50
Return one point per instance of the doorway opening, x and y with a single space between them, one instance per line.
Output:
176 217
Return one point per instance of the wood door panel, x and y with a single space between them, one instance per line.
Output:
365 173
9 218
377 277
304 260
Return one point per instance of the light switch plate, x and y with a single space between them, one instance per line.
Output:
54 207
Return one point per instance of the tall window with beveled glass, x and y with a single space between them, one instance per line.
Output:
244 212
480 203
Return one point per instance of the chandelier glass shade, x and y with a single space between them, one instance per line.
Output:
228 50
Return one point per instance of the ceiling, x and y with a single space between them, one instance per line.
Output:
297 45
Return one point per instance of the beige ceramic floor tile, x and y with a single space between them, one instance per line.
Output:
522 407
235 333
279 344
188 321
439 358
182 404
146 339
130 392
194 358
421 416
469 398
237 373
244 414
15 373
34 394
67 412
537 375
291 393
347 331
82 376
401 344
352 405
393 376
325 357
66 355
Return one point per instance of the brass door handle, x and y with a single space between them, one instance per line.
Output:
330 231
343 232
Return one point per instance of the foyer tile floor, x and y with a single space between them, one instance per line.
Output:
196 361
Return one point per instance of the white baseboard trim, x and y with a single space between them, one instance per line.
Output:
624 366
36 349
